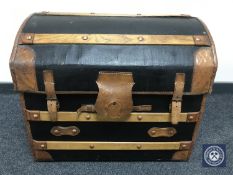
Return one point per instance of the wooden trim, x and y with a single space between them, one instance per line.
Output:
71 145
92 117
128 39
109 14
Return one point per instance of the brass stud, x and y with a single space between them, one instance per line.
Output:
191 117
56 131
42 145
84 37
139 146
198 39
184 146
88 117
139 117
74 130
35 115
153 132
171 132
29 37
92 146
140 38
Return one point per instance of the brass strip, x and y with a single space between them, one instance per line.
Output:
134 92
92 117
114 39
71 145
108 14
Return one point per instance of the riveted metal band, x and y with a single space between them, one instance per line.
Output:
128 39
71 145
92 117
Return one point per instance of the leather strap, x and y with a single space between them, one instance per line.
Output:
177 97
52 102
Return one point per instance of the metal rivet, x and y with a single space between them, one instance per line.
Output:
84 37
184 146
92 146
29 37
153 132
140 38
74 130
198 39
191 117
88 117
139 117
171 132
35 115
56 131
139 146
42 145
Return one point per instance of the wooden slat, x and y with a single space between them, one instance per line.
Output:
92 117
114 39
71 145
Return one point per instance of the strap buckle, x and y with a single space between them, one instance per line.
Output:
177 97
52 102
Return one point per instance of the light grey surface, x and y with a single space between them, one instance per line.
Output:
15 155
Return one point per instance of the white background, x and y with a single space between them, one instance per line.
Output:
216 14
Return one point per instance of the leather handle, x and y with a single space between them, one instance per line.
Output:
162 132
69 131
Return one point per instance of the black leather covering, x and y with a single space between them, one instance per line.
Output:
114 25
116 131
76 67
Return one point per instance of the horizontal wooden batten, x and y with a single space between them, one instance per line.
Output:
92 117
68 145
127 39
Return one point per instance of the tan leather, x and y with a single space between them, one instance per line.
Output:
203 71
114 99
161 132
177 97
52 103
181 155
68 131
23 69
